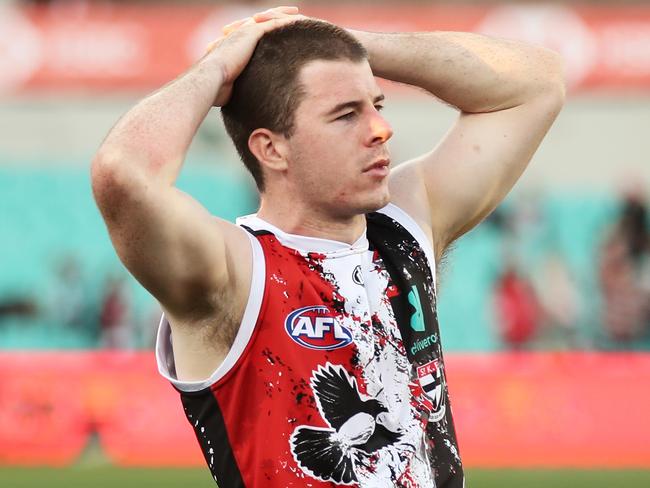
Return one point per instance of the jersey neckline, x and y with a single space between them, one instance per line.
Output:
305 244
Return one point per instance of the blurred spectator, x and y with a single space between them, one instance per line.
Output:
560 302
114 318
625 273
17 307
517 309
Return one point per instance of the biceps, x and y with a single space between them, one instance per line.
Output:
169 242
478 162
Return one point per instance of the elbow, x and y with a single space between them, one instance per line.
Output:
554 98
112 183
558 78
554 78
546 88
120 167
105 175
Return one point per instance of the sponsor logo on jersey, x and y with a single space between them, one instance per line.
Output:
424 343
417 318
357 276
431 380
316 327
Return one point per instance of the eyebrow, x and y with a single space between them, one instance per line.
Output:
355 104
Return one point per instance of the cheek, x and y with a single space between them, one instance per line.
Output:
327 164
323 159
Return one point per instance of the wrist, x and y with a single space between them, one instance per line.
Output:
377 45
367 39
207 76
211 68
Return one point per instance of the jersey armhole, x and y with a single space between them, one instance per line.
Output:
405 220
164 348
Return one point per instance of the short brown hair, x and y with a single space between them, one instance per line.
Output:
267 93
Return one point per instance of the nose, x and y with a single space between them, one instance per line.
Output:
380 130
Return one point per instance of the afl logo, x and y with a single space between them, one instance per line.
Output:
316 327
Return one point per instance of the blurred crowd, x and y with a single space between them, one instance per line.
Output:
548 304
543 293
624 271
99 318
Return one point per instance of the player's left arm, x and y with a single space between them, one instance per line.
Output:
508 95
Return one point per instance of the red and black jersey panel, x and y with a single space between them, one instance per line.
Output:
336 377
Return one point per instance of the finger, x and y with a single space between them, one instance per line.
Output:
272 24
211 46
236 25
275 22
288 9
275 13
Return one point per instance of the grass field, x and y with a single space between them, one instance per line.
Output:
108 477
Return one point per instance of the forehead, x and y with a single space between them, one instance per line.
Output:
328 83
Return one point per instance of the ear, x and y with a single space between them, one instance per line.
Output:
269 148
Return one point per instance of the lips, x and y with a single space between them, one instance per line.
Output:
381 165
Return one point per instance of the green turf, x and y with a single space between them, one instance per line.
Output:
109 477
557 479
104 477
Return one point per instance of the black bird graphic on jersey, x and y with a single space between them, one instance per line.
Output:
329 454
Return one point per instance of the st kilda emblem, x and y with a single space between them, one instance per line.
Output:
357 276
431 380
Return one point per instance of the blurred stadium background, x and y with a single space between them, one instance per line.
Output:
545 308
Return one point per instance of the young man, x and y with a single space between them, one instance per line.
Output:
305 340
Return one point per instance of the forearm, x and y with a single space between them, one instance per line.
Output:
148 145
471 72
154 136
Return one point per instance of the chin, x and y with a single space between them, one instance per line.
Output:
380 201
370 202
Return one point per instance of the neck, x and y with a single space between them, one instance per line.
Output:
297 219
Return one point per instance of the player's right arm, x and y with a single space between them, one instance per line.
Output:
184 256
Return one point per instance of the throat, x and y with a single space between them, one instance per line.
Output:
316 224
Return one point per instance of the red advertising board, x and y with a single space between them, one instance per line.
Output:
519 410
53 404
107 47
574 410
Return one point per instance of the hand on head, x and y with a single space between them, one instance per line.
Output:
260 17
233 50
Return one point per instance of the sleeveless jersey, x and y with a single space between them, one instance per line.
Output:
336 375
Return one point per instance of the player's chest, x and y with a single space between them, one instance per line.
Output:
327 304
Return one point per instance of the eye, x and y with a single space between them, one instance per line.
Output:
346 116
379 107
